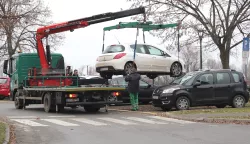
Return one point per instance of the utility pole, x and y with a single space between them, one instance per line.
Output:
200 33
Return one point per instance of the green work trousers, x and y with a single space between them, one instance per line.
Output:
134 100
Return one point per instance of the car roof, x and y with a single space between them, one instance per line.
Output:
218 70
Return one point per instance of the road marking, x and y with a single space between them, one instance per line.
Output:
22 117
28 122
171 120
87 121
60 122
145 120
118 121
62 116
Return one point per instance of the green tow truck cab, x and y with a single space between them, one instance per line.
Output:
18 65
82 93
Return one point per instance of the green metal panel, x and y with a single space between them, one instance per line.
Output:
145 26
24 61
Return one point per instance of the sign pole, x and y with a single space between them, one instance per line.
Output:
245 54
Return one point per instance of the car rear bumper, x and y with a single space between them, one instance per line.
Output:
112 65
4 92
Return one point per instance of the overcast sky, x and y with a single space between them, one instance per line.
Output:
83 46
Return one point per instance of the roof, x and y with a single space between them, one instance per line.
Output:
33 54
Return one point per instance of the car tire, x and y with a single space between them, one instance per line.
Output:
176 69
182 103
2 98
238 101
128 67
47 102
166 108
18 102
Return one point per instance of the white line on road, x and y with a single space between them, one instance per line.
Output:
171 120
145 120
62 116
22 117
118 121
60 122
28 122
87 121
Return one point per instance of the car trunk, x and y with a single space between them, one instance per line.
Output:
106 57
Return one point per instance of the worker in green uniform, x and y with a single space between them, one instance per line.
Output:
133 80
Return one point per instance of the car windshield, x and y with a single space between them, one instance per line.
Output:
3 81
184 78
114 49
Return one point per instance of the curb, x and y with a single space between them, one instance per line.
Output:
7 133
205 120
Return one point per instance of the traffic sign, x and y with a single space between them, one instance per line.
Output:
246 44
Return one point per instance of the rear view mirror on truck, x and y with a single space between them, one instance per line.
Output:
5 67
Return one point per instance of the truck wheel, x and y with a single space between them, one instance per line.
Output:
47 102
18 102
91 109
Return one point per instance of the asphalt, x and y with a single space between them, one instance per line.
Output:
61 128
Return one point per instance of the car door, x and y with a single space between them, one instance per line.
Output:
142 59
204 93
222 86
145 92
158 59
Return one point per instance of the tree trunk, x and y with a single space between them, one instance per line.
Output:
9 44
224 57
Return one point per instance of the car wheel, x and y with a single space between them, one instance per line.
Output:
2 98
18 102
112 98
239 101
176 69
182 103
129 67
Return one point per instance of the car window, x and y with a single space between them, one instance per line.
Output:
223 78
114 82
206 79
3 81
121 82
142 83
139 49
154 51
114 49
236 77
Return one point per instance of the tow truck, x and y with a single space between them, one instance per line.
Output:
41 78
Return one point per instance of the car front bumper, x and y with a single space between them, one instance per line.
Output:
165 100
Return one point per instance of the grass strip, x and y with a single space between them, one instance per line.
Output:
2 132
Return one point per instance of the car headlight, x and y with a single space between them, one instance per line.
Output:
170 90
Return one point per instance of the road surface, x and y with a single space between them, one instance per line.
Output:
33 125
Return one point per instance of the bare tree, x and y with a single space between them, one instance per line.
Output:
81 70
18 22
225 22
213 64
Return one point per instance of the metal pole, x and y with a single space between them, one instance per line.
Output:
201 52
246 70
178 42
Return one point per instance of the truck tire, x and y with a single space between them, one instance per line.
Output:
91 109
18 102
47 102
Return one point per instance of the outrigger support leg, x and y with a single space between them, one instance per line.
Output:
106 108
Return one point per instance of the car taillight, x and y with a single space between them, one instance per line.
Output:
118 56
115 93
72 95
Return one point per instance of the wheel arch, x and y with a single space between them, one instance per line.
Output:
130 62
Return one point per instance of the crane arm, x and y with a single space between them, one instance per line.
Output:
44 32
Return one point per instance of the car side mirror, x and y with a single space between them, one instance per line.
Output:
197 84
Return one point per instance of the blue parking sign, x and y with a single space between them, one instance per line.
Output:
246 44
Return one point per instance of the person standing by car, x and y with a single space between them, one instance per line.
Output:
133 88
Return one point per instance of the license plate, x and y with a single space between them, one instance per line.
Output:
104 69
72 100
155 97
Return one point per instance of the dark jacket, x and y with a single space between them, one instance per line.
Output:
133 82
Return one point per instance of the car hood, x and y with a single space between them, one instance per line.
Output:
169 86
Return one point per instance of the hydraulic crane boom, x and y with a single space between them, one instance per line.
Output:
44 32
